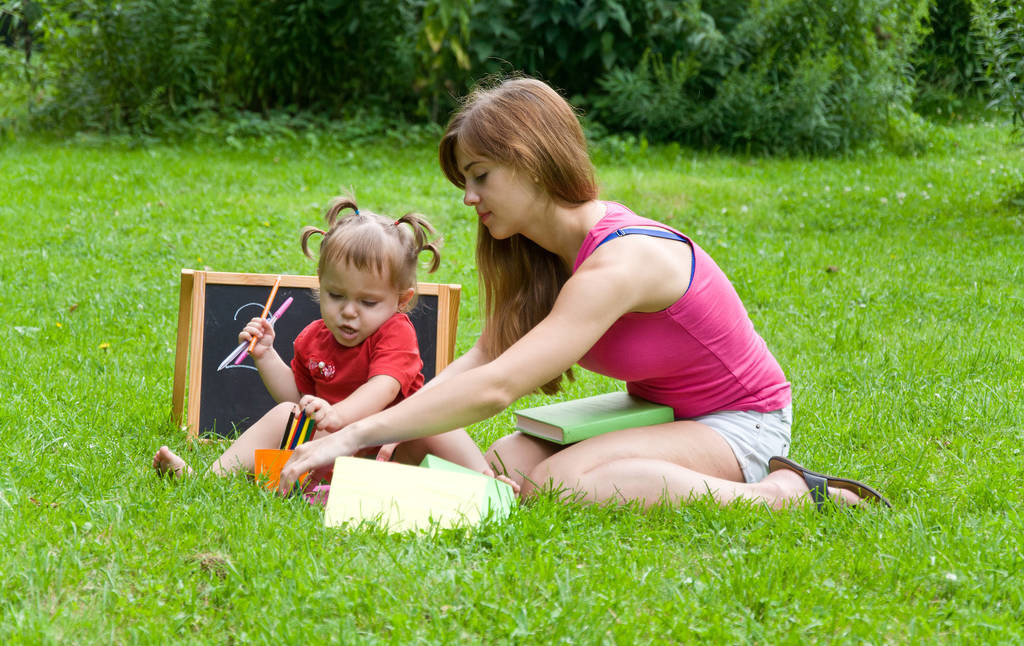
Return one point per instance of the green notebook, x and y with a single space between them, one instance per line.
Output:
499 499
577 419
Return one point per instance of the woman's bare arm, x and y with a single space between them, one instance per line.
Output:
602 290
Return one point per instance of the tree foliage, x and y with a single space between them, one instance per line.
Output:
778 76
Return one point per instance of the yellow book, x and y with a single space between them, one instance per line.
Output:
401 497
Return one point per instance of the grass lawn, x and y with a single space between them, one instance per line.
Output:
890 288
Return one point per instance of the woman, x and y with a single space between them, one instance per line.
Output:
570 279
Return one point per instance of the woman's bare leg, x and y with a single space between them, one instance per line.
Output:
677 462
518 454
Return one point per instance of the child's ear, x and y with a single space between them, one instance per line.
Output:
404 298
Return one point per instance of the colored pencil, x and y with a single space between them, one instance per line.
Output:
266 308
307 431
301 435
237 355
284 436
298 435
294 428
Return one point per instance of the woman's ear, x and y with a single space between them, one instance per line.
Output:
404 298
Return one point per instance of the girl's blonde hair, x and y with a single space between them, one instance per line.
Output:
372 242
527 125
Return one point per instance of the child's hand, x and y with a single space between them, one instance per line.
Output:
321 412
385 452
262 330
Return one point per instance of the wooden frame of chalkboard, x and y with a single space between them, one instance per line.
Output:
214 306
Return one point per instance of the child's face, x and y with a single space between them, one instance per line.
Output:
354 303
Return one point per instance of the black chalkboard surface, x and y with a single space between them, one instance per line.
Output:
214 307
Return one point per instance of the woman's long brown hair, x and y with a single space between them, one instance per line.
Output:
526 124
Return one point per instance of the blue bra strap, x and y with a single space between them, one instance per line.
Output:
656 233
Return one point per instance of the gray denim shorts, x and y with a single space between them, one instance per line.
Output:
753 436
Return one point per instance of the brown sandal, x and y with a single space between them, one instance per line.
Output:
818 483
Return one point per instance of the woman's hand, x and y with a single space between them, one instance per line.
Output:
312 456
260 329
327 419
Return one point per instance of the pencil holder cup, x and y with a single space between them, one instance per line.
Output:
269 463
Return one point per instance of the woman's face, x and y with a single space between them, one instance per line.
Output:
506 201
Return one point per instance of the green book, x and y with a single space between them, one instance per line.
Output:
577 419
498 498
402 497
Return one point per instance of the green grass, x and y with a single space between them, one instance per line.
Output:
890 288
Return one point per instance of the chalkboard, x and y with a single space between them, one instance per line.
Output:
214 307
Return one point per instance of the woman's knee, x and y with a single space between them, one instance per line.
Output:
500 453
516 456
557 472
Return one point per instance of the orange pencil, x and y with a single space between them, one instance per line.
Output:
266 308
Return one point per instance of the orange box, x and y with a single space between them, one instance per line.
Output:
269 463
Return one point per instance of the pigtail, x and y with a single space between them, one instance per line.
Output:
373 242
307 233
421 233
337 205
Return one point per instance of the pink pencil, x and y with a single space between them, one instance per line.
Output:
238 356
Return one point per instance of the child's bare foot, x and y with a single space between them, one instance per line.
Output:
166 461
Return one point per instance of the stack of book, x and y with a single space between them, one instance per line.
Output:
401 497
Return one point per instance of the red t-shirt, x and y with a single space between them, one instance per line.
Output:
327 369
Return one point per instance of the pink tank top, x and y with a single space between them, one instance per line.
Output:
701 354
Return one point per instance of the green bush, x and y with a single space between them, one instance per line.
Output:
569 43
951 60
779 76
128 65
329 56
785 76
137 64
1004 71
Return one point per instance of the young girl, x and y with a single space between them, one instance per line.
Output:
569 278
362 355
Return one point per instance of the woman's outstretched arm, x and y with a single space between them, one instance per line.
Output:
591 300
